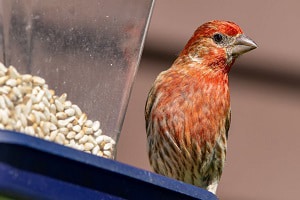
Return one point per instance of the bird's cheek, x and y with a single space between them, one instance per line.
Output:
229 57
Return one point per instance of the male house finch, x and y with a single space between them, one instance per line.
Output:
188 108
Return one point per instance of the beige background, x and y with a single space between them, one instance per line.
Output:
263 157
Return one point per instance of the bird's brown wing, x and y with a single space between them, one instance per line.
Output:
227 123
148 106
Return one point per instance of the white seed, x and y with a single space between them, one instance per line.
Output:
29 130
70 112
66 142
8 113
84 139
45 126
42 106
33 99
17 92
103 138
100 139
59 105
87 130
107 146
13 72
39 131
107 153
77 110
37 118
70 119
82 119
53 135
80 147
31 118
91 139
35 91
18 109
40 95
2 102
41 115
88 146
46 102
53 119
72 143
36 107
28 106
70 126
98 133
47 113
61 115
11 82
96 126
3 79
26 77
71 135
60 138
79 135
8 102
64 130
4 90
48 94
62 123
112 141
88 123
25 90
18 125
62 98
53 109
38 80
23 119
52 127
95 150
67 104
76 128
12 97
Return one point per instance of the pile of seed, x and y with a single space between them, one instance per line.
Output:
28 106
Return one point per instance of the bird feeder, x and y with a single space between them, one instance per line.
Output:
86 53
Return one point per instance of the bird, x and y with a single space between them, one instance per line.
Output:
188 111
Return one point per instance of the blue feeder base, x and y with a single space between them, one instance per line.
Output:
32 168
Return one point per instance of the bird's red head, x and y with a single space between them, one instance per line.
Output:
216 45
210 28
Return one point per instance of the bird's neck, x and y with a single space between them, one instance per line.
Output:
212 72
208 63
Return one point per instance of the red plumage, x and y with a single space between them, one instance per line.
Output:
188 108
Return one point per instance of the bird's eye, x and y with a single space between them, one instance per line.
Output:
218 38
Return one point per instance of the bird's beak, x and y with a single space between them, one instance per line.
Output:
242 44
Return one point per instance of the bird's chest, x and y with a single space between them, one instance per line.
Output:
199 105
193 114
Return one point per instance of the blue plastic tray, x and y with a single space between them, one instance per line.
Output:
32 168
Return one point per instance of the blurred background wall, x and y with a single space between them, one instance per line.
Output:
263 154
